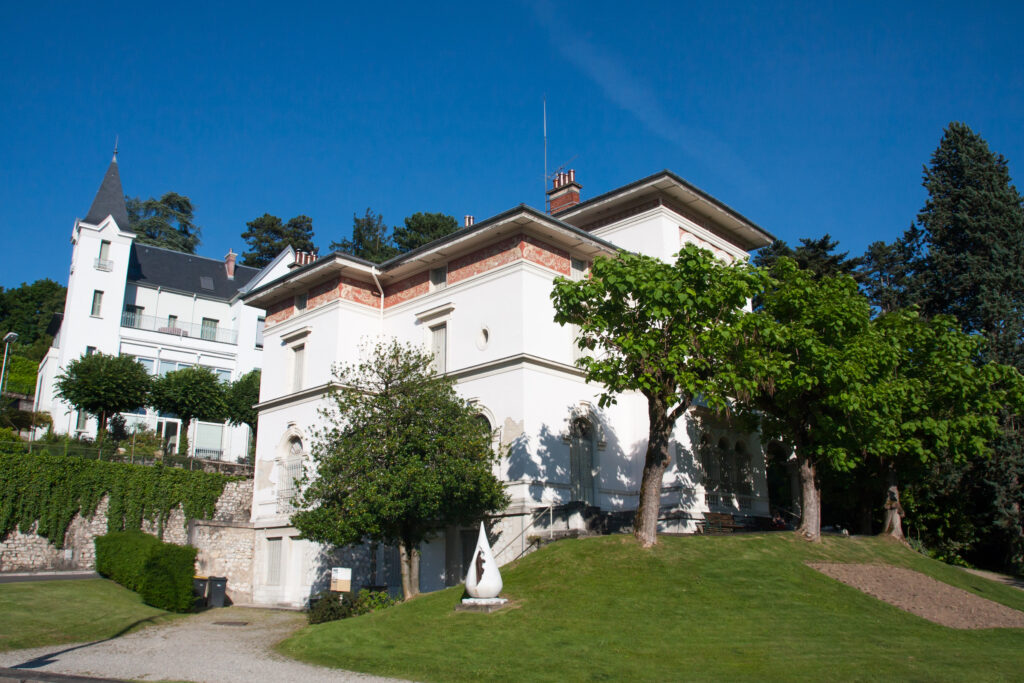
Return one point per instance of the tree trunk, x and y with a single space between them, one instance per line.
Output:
410 561
645 527
893 510
810 499
186 422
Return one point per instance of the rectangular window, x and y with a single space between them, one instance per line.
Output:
439 278
298 366
300 301
209 440
83 417
97 302
273 561
261 324
439 347
89 350
209 329
132 316
223 375
172 321
104 250
579 268
147 363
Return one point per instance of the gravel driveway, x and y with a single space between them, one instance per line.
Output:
216 646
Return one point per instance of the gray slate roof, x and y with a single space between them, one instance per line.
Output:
158 267
109 200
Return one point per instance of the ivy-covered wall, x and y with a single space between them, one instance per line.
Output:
45 489
51 490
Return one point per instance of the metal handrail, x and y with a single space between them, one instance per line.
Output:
550 509
178 328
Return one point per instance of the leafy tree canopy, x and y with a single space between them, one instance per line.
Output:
400 455
662 329
241 396
103 385
190 393
166 222
267 236
423 228
806 353
28 310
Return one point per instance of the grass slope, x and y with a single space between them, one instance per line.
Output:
724 607
34 614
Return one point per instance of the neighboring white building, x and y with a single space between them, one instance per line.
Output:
166 308
480 298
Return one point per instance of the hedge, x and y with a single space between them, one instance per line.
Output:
160 572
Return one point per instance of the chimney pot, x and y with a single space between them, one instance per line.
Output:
469 220
565 192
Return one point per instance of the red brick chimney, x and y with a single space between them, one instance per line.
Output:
303 258
229 264
565 192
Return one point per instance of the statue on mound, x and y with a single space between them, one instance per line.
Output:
483 580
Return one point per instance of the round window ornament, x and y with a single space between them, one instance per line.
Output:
483 337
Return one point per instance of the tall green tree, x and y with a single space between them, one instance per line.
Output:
885 271
968 247
422 228
166 222
662 329
806 349
370 239
28 310
401 455
190 393
926 398
267 236
239 400
103 385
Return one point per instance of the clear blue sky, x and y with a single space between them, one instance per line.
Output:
807 118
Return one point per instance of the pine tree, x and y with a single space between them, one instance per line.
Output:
969 262
423 228
370 239
267 236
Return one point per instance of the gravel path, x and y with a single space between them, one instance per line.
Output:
230 645
924 596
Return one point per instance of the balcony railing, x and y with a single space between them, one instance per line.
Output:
103 264
179 329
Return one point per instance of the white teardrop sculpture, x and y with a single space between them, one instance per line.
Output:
483 580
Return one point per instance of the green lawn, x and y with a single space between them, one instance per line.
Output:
38 613
720 607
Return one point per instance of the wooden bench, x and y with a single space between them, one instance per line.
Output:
720 523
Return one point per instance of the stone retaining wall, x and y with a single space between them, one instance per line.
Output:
225 543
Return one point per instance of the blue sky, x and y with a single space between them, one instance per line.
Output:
807 118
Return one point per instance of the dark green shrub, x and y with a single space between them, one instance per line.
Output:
167 580
331 606
121 556
160 572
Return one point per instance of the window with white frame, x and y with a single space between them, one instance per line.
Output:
290 471
439 347
261 324
298 366
274 561
97 303
208 330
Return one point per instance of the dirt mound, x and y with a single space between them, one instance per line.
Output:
924 596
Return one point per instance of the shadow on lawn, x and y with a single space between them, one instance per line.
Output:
50 658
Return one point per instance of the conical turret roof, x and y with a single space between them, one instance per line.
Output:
109 200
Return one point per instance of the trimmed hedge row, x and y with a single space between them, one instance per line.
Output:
160 572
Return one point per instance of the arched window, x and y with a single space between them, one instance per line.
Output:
581 460
289 475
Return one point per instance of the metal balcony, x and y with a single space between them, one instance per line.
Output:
178 328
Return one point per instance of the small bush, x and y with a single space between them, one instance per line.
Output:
167 577
160 572
121 556
332 606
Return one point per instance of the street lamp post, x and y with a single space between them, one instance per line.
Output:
8 338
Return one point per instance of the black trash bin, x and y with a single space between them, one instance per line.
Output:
200 585
218 587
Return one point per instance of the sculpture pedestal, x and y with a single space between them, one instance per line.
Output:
485 605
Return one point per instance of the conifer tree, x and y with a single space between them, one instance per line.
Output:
268 235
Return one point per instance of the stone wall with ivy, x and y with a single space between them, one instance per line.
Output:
53 507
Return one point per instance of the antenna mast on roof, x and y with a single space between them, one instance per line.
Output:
545 100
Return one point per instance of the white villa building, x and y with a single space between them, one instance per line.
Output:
167 309
480 298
